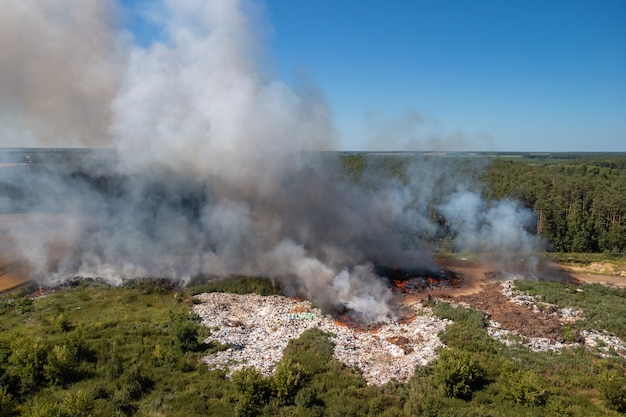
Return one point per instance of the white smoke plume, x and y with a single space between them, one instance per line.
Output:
216 168
499 229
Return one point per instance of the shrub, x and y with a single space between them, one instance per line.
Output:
525 388
150 285
612 387
62 323
287 380
7 407
61 365
458 373
252 391
186 336
26 363
312 351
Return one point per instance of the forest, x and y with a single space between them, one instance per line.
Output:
579 200
580 204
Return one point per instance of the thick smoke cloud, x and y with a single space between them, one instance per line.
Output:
216 169
61 64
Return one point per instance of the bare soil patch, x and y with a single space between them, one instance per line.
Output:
484 294
514 317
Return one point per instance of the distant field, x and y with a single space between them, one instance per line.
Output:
18 232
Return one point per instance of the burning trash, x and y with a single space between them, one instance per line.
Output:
408 281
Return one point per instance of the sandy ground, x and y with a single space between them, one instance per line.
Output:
13 274
612 280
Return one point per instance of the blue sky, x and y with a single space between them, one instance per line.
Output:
458 75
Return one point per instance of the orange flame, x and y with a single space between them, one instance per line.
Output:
401 285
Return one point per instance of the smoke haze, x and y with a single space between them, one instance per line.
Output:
216 167
60 67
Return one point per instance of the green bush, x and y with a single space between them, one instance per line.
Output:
61 365
7 406
150 285
186 334
612 387
252 391
62 323
27 361
312 352
287 381
458 373
525 388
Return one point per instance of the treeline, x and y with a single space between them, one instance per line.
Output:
580 204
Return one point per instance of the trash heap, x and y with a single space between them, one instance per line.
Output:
258 328
601 342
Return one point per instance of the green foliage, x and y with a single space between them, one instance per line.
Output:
23 305
580 204
458 373
61 365
311 353
150 285
7 406
62 323
186 333
525 388
236 285
287 381
469 330
26 363
252 391
612 387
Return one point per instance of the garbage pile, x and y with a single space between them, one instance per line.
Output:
602 342
258 328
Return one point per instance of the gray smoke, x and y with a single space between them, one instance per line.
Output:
217 169
61 64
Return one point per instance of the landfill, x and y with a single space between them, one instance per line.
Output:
257 329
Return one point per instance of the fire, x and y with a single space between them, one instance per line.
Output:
401 285
343 321
346 321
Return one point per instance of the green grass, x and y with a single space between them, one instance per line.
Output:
235 285
585 259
